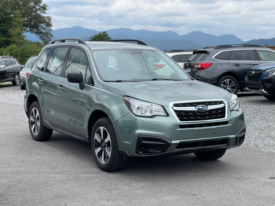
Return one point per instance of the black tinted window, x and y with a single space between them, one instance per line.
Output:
7 62
248 55
176 58
56 61
233 56
188 56
183 58
223 55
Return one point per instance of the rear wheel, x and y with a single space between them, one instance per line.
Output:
229 83
272 98
211 155
16 80
104 146
38 131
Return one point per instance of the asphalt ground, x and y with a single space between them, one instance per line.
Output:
62 171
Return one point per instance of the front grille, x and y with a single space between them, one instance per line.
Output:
254 75
194 104
190 114
186 145
203 125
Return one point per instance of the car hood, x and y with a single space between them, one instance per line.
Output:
165 92
266 66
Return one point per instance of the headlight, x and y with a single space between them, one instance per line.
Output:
145 109
23 74
271 72
234 103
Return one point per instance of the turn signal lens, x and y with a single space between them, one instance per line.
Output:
202 66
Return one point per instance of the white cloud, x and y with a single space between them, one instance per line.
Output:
247 19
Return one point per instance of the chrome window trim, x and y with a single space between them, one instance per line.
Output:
211 107
207 100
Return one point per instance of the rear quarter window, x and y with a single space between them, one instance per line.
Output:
223 55
177 58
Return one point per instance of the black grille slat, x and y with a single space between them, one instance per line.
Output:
194 115
254 75
186 145
203 125
194 104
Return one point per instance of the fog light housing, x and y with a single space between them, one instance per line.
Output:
147 145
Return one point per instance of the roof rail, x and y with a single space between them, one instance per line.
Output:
80 41
181 50
236 45
122 40
208 47
6 57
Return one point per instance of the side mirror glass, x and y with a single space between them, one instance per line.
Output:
76 77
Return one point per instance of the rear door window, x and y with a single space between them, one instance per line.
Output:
233 56
246 55
223 55
42 59
56 61
266 55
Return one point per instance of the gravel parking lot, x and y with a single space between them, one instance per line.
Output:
62 171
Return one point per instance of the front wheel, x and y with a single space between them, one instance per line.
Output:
229 83
272 98
211 155
16 80
38 131
104 146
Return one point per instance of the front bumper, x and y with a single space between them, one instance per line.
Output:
266 86
176 137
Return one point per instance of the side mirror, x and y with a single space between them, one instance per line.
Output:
76 77
2 66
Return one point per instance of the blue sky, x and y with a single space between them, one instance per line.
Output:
247 19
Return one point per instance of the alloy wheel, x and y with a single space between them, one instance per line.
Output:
35 121
229 85
102 145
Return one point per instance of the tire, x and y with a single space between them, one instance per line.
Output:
212 155
22 86
225 82
16 80
107 146
272 98
38 131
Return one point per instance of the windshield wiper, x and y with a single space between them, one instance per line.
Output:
155 79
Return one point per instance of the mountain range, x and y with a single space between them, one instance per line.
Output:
166 40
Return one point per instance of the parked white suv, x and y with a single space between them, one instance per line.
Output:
180 56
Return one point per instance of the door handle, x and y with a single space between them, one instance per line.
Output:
40 81
60 88
236 65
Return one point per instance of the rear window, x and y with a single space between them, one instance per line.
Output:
223 55
177 58
198 57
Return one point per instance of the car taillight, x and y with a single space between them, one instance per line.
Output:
157 66
27 75
202 66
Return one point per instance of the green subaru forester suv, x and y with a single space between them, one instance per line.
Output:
128 100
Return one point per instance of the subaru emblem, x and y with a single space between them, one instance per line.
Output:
201 108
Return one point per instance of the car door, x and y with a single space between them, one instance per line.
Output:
241 62
51 76
73 102
9 70
2 70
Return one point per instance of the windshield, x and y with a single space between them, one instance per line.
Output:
136 65
29 63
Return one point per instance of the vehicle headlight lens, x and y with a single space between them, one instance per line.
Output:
271 72
23 74
234 103
145 109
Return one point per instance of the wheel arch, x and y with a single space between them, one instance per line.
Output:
95 115
32 98
229 74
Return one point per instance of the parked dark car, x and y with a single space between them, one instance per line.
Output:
227 65
261 79
9 70
26 68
